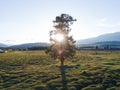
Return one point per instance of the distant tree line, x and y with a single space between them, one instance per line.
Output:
38 48
104 47
97 47
25 49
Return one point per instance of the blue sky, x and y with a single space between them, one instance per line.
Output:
24 21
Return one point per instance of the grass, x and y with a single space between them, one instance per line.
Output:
88 70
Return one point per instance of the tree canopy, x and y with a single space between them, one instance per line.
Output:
62 45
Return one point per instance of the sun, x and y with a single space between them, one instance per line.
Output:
59 37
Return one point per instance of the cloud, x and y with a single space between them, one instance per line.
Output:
118 23
8 40
103 19
105 23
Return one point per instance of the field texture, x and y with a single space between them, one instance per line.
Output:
88 70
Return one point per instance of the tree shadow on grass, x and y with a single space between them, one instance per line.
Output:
63 76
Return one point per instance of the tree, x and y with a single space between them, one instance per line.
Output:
62 45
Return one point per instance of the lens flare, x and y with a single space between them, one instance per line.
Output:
59 37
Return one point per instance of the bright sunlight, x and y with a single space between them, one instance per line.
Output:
59 37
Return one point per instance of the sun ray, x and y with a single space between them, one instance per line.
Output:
59 37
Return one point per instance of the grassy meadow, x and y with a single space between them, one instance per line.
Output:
34 70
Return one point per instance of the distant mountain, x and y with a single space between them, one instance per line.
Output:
3 45
114 45
111 43
28 45
101 38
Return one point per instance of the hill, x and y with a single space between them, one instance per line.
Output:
28 45
3 45
113 45
102 38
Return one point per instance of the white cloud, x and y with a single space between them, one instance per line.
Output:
105 23
103 19
118 23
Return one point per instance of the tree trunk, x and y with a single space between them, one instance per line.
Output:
62 61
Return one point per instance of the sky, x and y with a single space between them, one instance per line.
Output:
27 21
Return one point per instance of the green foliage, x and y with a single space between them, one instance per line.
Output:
65 48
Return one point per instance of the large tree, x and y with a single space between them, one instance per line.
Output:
62 45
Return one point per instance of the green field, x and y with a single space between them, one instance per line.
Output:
88 70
